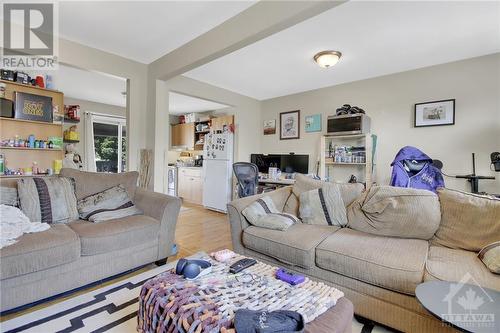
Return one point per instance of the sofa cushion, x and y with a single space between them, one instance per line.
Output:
396 211
392 263
263 213
303 183
115 234
38 251
469 221
323 206
8 196
490 256
294 246
88 183
48 199
113 203
454 265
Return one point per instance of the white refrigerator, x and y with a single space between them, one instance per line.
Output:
217 171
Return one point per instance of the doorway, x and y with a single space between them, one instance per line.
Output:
106 143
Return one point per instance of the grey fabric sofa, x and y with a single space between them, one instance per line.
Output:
378 274
68 256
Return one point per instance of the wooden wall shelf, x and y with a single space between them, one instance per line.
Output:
71 121
29 86
22 157
29 121
33 149
22 176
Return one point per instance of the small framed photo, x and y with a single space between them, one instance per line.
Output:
290 125
437 113
269 127
313 123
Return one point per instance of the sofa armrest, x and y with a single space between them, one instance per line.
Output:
239 223
163 208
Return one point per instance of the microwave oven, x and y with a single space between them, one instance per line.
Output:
348 124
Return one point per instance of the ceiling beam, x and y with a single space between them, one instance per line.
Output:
257 22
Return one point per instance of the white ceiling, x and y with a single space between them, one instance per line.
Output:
89 86
375 38
142 30
181 104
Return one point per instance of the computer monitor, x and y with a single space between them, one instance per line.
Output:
287 163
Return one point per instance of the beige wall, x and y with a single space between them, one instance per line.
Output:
88 106
246 113
389 101
84 57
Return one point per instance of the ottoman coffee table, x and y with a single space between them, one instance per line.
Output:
170 303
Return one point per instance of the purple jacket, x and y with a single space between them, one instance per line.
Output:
428 178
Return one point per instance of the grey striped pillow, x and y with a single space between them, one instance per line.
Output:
323 206
109 204
263 213
8 196
48 199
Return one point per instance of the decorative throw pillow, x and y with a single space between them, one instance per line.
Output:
88 183
396 212
8 196
490 256
263 213
48 199
303 183
468 221
109 204
323 206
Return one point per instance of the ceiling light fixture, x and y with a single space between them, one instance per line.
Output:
327 59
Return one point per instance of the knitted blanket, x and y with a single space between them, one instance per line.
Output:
169 303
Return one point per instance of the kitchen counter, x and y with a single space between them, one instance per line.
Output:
190 184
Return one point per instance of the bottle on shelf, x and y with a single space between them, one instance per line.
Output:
2 164
35 169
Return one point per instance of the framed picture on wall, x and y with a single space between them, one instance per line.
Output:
269 127
436 113
313 123
290 125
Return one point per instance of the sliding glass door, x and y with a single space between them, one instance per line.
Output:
106 143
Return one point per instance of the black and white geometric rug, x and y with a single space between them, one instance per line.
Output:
109 309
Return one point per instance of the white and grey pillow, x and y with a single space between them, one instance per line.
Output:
8 196
263 213
490 256
323 206
109 204
48 199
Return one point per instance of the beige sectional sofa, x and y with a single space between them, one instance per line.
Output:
377 273
68 256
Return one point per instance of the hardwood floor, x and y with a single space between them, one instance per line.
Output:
197 230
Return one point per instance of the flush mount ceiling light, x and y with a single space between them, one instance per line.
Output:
327 59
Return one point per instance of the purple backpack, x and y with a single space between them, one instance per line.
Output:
413 168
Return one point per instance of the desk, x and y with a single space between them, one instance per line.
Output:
278 182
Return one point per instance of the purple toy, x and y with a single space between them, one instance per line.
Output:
289 277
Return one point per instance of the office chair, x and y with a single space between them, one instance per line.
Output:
247 175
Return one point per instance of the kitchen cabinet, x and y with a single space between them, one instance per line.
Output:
219 122
182 135
185 135
190 184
